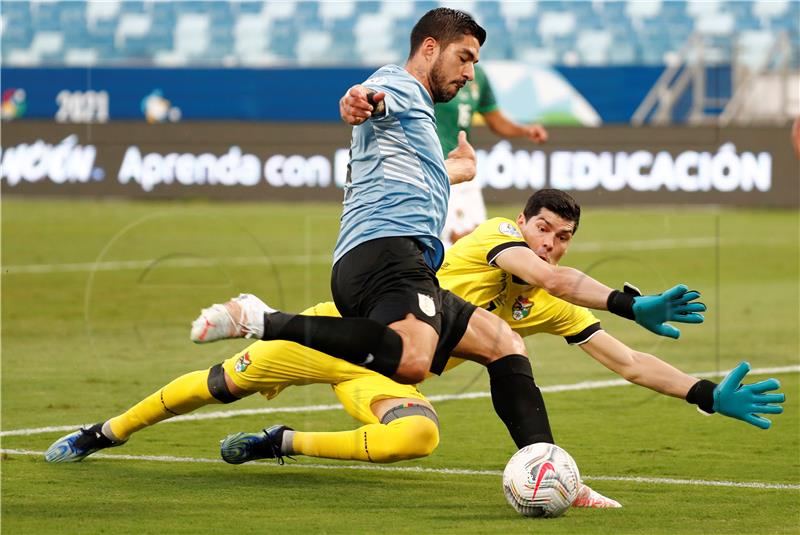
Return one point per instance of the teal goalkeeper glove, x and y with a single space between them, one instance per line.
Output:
734 399
653 311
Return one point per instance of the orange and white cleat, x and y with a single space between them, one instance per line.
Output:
241 317
589 498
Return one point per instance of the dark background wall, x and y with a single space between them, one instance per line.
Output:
307 161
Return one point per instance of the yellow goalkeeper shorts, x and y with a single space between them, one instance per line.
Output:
269 367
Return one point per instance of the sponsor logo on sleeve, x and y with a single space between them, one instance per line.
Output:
509 230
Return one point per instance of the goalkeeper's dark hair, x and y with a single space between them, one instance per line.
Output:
445 25
559 202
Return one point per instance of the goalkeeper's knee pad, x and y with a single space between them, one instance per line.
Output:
409 432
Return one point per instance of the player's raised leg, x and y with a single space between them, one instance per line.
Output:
385 281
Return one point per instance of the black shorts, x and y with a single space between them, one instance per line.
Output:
386 279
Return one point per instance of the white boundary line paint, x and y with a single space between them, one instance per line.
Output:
584 385
121 265
422 470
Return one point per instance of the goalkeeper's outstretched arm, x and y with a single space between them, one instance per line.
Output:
730 397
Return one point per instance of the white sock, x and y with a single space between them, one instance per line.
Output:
286 443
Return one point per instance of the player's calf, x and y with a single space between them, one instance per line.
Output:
419 341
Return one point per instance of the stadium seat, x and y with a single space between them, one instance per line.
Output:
192 34
251 38
697 9
753 47
374 37
593 46
169 58
637 10
717 24
470 6
767 10
622 53
22 57
556 23
279 10
332 11
538 56
47 43
397 10
81 57
131 25
513 9
247 6
313 47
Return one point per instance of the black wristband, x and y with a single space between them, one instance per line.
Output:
621 304
702 395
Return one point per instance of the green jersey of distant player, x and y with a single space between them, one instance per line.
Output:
456 115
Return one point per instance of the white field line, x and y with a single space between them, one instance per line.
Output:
194 262
422 470
584 385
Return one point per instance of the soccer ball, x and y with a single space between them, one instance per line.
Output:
541 480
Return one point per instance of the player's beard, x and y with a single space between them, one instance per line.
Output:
440 86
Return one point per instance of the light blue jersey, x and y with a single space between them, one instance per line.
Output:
397 182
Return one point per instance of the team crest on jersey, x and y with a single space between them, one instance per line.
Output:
426 305
521 308
243 362
509 230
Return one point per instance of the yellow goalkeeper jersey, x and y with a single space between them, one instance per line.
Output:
470 271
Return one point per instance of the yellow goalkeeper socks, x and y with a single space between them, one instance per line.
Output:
410 437
184 394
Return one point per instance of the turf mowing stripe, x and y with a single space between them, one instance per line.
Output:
421 470
121 265
583 385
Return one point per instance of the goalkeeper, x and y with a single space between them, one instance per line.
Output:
509 267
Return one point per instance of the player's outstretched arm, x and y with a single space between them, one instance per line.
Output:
650 311
461 162
730 397
359 103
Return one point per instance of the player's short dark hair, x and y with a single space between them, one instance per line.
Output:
559 202
445 25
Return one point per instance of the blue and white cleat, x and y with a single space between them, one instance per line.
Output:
241 317
78 445
240 448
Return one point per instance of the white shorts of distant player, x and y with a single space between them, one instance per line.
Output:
465 211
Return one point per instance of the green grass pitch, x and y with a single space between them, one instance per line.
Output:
97 298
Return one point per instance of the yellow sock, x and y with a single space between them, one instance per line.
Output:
184 394
409 437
